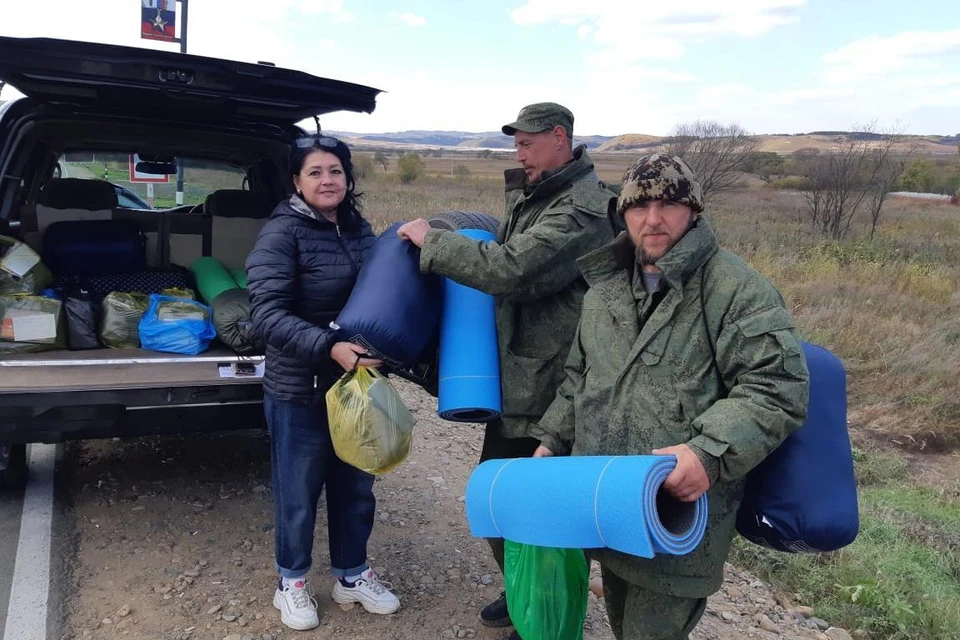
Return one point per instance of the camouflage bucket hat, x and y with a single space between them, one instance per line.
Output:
660 177
539 117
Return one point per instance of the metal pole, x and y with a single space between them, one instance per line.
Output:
183 49
183 26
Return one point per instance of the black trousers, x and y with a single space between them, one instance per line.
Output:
498 447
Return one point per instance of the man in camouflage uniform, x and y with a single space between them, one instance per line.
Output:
556 211
682 349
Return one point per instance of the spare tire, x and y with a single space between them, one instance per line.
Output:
456 220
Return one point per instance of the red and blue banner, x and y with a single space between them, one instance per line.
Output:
158 20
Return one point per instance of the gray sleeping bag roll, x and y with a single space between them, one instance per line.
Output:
231 317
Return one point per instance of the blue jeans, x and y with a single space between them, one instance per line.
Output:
302 461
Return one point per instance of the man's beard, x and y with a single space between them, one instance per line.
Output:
645 258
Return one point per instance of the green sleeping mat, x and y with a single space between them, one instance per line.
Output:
240 277
212 278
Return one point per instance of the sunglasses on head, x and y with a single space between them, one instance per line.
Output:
307 142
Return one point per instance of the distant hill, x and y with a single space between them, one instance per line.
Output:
783 143
464 139
819 141
427 138
631 142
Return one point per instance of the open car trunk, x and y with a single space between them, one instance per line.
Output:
105 99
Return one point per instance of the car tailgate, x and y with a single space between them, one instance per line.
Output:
115 369
171 84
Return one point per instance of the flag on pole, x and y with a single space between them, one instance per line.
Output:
158 20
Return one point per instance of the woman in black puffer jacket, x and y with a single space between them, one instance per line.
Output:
300 274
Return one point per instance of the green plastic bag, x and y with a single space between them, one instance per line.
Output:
547 591
31 323
120 322
20 268
370 427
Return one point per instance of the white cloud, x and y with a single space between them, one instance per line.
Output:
906 45
634 74
247 32
409 18
912 78
652 48
637 30
911 51
617 34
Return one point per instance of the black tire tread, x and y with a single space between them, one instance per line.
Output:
14 477
455 220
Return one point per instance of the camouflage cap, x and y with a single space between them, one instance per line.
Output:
659 177
542 116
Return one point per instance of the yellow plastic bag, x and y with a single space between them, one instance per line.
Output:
370 427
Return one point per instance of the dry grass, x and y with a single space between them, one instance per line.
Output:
610 166
785 144
890 309
386 200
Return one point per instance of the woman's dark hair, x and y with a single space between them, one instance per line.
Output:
352 204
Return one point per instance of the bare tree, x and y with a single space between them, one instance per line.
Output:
885 166
715 151
862 170
381 158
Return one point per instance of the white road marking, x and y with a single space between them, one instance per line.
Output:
30 590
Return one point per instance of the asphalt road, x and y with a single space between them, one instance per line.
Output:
30 552
11 505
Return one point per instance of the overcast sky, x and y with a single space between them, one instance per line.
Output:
622 66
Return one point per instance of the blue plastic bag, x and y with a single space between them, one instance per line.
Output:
176 325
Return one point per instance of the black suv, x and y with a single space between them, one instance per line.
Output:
229 125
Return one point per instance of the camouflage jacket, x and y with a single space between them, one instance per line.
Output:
532 271
641 376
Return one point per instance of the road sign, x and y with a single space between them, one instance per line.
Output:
139 176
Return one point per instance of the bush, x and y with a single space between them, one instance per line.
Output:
763 164
798 183
918 176
363 166
410 166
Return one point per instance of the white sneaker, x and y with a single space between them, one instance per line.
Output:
298 609
372 594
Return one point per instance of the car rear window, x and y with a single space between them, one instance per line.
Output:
138 190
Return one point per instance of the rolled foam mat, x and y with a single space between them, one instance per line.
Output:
212 277
469 368
240 277
584 502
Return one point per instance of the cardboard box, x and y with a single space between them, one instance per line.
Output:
19 259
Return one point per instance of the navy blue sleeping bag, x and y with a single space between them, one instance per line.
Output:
803 497
393 310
